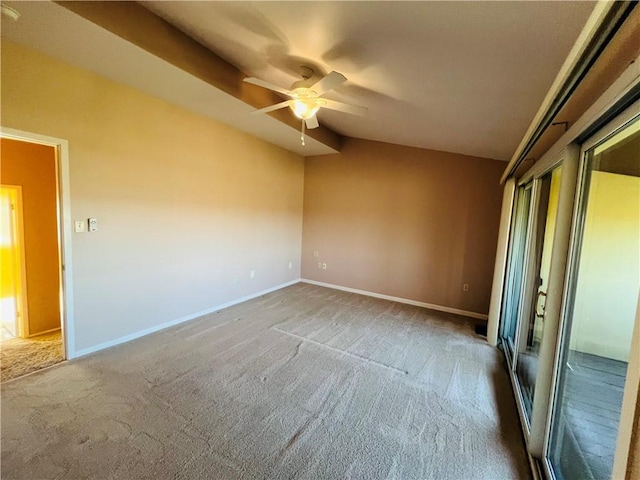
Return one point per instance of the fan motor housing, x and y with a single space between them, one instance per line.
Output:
302 85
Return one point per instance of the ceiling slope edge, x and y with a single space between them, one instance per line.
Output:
139 26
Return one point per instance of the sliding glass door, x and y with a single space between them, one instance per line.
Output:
537 281
527 281
516 270
600 311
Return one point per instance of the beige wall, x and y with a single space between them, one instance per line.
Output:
609 273
404 222
184 204
33 167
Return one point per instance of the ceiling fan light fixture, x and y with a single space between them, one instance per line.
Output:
305 97
304 108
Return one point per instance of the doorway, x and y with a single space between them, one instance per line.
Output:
600 314
32 297
13 305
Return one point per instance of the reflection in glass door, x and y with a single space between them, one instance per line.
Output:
539 262
600 311
515 270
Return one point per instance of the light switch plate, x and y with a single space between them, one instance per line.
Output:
79 226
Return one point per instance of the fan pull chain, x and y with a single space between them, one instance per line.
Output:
302 133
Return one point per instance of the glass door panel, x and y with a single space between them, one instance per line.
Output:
600 312
516 270
539 262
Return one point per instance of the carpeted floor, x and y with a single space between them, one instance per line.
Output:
306 382
19 356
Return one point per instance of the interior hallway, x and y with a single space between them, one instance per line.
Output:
305 382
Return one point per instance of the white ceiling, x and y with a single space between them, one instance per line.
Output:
56 31
463 77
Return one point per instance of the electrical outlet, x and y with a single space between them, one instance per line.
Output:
235 279
316 253
319 265
252 274
93 224
290 265
324 266
465 287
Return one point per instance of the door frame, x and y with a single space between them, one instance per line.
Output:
632 383
521 295
535 243
515 236
63 200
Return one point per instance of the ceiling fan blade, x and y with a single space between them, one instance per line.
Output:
329 82
312 122
342 107
269 85
271 108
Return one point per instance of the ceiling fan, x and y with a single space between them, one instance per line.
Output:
306 97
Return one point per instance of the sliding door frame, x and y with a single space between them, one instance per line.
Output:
536 422
515 237
568 159
506 309
609 105
627 117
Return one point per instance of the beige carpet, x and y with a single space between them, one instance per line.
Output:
20 356
306 382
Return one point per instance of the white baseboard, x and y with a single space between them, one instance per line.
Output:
440 308
171 323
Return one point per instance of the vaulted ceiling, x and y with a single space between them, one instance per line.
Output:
464 77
